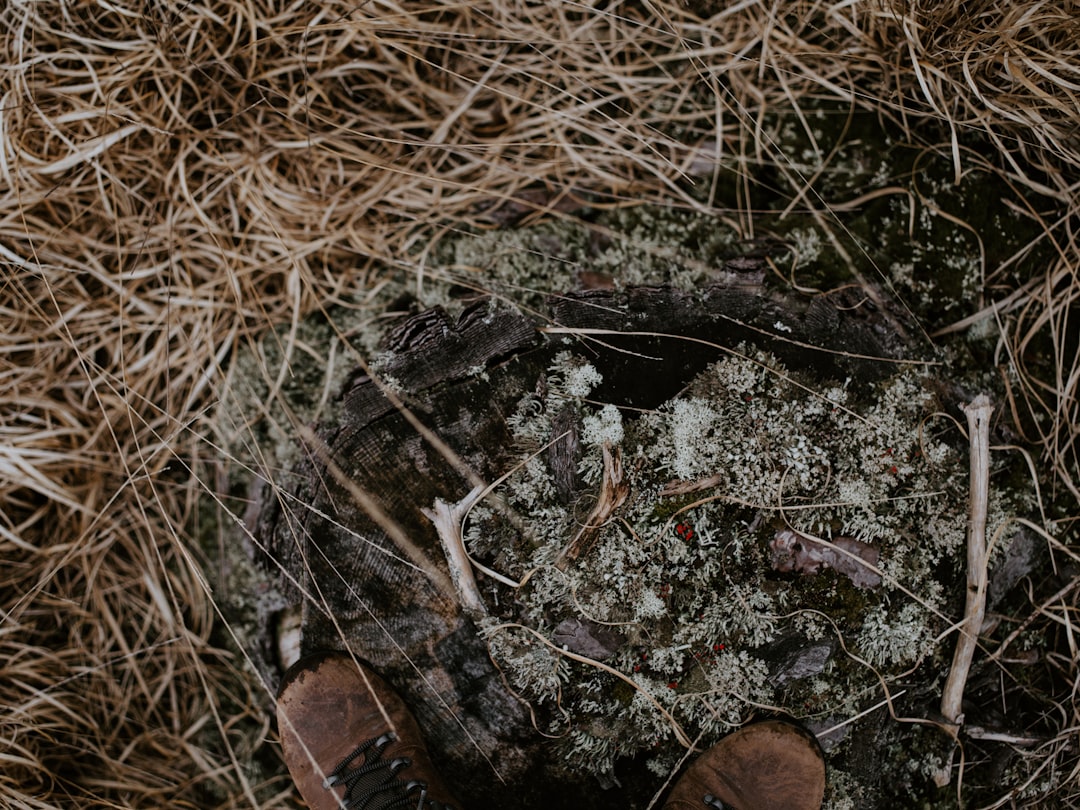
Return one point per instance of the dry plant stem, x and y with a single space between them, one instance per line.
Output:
980 733
613 492
978 416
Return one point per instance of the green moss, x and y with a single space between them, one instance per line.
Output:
834 595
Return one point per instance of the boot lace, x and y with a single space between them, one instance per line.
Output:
372 783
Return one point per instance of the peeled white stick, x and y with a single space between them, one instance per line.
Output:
447 518
978 414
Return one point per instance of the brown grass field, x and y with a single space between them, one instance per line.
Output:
177 179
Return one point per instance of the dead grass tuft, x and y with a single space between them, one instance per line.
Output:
183 176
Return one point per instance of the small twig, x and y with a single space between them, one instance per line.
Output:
1022 740
978 417
447 519
674 488
613 492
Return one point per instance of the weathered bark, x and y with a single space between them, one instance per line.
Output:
361 588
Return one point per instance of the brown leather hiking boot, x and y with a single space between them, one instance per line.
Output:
771 765
350 741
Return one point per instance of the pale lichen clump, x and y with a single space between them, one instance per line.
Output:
677 603
891 637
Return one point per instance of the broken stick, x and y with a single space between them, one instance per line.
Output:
978 414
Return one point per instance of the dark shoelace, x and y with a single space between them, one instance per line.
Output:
373 783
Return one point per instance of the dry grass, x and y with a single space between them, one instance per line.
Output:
181 176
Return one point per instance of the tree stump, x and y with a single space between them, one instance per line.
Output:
354 547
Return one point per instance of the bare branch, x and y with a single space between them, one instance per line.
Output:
978 416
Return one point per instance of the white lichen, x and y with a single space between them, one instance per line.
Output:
603 427
892 638
682 569
581 380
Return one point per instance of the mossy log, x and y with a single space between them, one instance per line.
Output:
384 594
